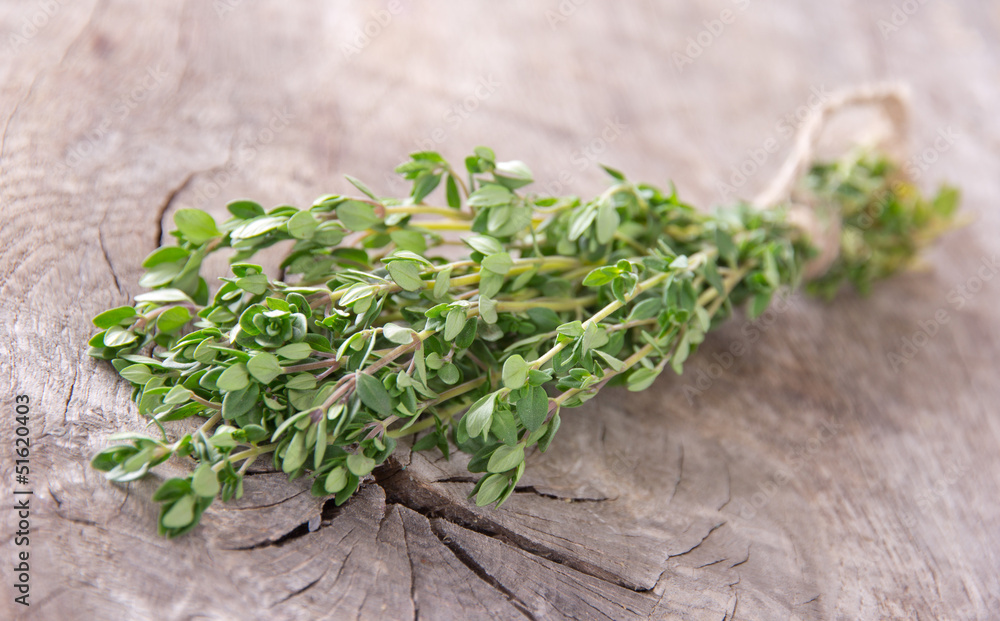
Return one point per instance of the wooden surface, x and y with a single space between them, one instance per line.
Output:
813 478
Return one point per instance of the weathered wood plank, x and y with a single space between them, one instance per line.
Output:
810 476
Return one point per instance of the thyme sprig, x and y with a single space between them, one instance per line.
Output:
373 335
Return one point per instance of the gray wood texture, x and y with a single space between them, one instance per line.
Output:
812 476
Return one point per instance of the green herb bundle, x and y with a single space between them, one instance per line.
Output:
372 335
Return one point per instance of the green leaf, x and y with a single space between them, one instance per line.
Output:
504 427
771 269
515 372
160 275
454 322
302 225
484 243
413 241
712 277
245 210
490 196
614 172
424 185
177 395
573 329
322 442
112 456
293 420
615 364
553 427
505 458
179 514
533 408
357 216
113 317
491 488
513 174
451 193
449 374
480 415
239 402
641 379
117 336
442 283
295 351
257 226
581 222
295 454
166 254
374 395
233 378
589 336
255 283
197 226
360 465
488 309
205 482
172 489
336 480
136 373
600 276
254 433
361 186
758 305
164 296
607 223
499 263
173 319
646 309
406 274
397 334
264 367
489 283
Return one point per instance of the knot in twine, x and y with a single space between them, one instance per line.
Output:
807 213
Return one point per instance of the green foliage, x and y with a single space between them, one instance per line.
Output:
373 335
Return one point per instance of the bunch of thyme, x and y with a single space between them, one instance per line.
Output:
372 335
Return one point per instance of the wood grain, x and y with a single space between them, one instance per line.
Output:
807 477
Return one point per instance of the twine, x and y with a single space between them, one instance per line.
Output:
824 228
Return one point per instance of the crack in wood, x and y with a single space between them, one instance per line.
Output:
161 211
467 559
297 592
531 489
104 251
72 388
743 561
401 488
680 475
299 531
703 539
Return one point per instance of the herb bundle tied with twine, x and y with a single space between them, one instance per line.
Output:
373 336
